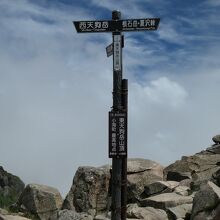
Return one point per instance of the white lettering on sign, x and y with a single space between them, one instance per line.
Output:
93 25
121 134
82 25
105 24
98 25
124 24
135 23
117 52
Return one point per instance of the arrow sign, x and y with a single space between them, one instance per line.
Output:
144 24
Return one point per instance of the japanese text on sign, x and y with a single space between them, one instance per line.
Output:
93 25
117 134
117 52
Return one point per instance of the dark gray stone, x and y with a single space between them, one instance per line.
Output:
216 139
207 198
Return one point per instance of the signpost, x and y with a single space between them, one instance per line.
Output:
118 114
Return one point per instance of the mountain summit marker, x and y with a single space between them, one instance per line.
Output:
118 114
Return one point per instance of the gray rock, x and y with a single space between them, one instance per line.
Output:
198 167
216 139
159 187
12 217
216 177
141 172
89 190
182 190
10 188
148 213
102 217
40 200
207 198
71 215
179 211
166 200
214 149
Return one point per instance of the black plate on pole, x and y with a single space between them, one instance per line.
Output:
143 24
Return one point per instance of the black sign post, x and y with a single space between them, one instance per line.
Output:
118 114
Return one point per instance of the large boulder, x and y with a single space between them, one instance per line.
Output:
199 168
216 139
10 188
141 172
148 213
166 200
70 215
206 201
89 191
42 201
159 187
180 211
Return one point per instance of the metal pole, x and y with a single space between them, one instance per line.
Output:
124 160
117 105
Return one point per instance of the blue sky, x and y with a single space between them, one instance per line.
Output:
55 84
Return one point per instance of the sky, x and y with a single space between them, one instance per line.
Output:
56 85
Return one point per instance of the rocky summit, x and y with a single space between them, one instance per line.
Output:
186 189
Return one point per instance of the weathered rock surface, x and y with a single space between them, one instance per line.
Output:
208 198
141 172
40 200
216 139
166 200
10 188
198 167
70 215
180 211
89 190
148 213
5 215
216 177
12 217
159 187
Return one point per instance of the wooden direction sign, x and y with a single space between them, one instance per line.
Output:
143 24
117 134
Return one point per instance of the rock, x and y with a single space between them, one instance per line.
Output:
102 217
180 211
186 182
214 149
71 215
3 212
40 200
89 190
10 188
148 213
182 190
216 177
198 167
141 172
166 200
158 188
208 198
216 139
12 217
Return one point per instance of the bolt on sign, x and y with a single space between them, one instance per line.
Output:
117 134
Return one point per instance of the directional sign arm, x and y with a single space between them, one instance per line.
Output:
144 24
